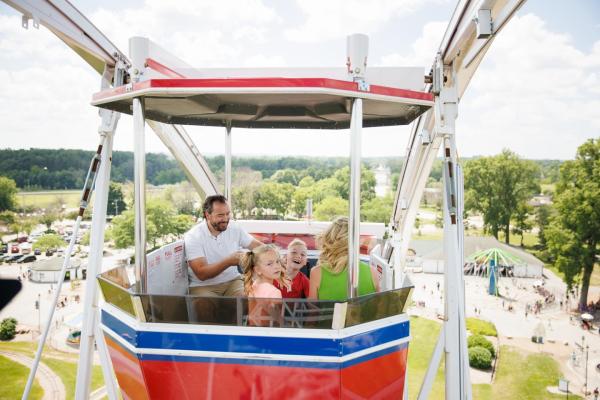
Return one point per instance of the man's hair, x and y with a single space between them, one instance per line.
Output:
207 207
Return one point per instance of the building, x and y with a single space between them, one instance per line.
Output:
48 270
383 180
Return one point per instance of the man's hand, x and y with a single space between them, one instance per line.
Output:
234 258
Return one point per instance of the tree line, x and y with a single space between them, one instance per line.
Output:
48 169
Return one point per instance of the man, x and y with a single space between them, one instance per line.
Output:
213 251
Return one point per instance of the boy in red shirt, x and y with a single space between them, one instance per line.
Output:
295 259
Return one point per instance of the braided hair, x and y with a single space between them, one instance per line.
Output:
248 263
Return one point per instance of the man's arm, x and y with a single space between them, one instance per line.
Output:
253 244
204 270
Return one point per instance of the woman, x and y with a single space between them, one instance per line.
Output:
329 280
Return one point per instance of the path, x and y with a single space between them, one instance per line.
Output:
53 387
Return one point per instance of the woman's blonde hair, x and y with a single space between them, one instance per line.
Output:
333 243
249 260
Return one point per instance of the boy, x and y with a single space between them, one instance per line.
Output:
295 260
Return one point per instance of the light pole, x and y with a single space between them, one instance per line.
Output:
39 312
587 349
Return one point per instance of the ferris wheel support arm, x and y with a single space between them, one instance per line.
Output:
73 28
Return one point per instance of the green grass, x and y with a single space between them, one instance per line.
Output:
14 378
480 327
66 370
48 199
525 376
424 334
529 239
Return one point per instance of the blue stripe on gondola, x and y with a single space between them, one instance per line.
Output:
273 363
120 328
257 344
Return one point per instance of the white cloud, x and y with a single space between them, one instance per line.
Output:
423 49
332 19
535 93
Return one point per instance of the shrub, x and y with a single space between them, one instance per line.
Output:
8 328
480 358
480 341
480 327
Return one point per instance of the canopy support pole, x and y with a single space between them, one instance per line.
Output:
227 191
139 157
354 222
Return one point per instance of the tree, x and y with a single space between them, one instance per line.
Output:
47 219
287 175
301 195
49 241
521 220
275 196
8 194
542 220
8 329
7 217
116 204
496 186
330 208
378 209
367 183
574 234
161 222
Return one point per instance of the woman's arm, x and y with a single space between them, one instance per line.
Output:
315 282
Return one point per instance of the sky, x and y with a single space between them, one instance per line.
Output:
537 92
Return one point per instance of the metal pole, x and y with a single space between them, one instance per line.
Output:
227 190
354 221
587 348
90 304
139 157
40 312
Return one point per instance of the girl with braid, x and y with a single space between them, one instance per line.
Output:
262 267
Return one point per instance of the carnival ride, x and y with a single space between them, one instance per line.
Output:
158 341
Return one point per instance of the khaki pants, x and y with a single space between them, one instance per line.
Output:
232 288
215 310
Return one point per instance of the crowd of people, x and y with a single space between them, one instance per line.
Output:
216 246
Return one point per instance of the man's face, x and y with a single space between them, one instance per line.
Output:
219 217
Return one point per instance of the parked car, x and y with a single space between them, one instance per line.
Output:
13 258
26 259
22 239
14 248
50 252
37 252
4 249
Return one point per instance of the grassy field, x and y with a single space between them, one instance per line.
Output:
519 375
480 327
525 376
16 374
56 360
49 199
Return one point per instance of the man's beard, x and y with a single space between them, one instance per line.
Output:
219 226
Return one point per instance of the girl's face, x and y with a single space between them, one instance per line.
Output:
268 266
296 257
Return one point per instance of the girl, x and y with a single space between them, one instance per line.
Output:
329 280
261 268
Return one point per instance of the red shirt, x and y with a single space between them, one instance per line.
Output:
300 287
